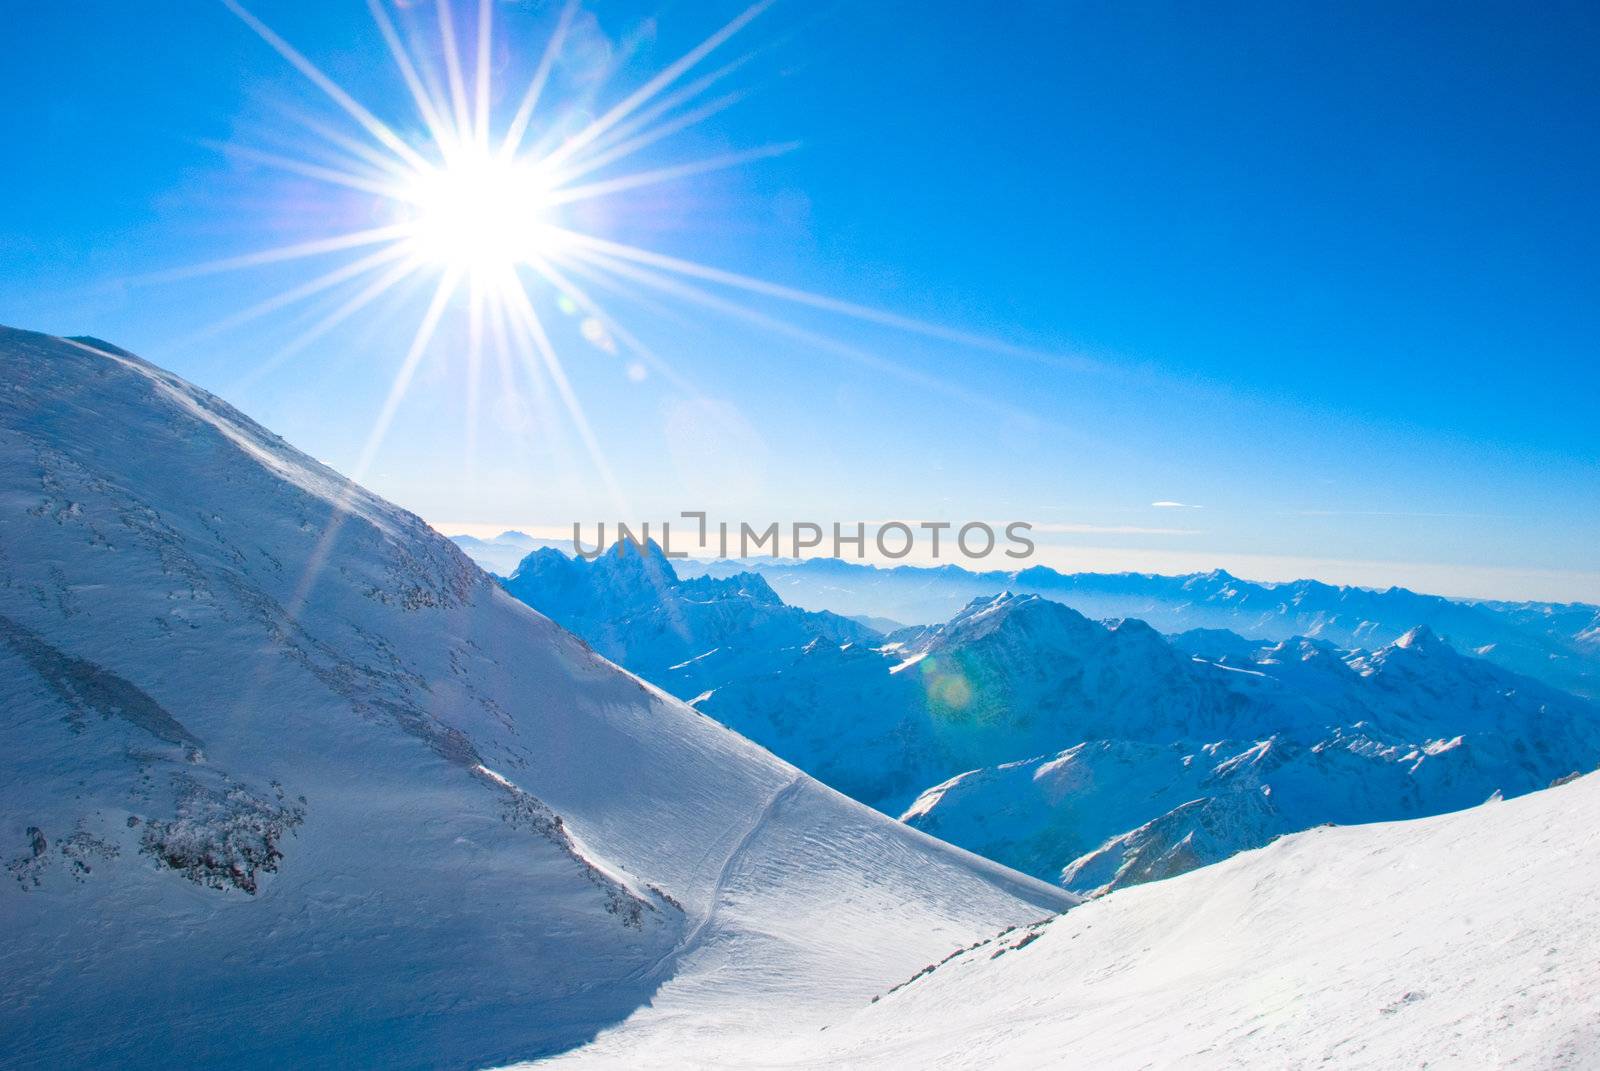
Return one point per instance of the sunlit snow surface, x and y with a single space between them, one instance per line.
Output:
280 789
1462 941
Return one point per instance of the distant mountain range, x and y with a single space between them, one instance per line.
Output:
502 553
1558 643
1093 754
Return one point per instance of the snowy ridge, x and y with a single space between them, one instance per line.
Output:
285 779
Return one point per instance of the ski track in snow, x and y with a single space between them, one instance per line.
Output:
718 888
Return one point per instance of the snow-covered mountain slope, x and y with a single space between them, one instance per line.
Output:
285 780
1018 674
687 636
1553 642
1461 941
1176 765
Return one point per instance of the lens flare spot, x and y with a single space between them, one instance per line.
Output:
950 693
596 334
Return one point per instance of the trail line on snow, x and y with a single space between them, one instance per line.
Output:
725 871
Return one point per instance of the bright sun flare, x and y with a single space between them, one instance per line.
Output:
477 214
474 196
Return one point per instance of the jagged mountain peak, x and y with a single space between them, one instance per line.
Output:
750 586
685 633
1133 628
637 574
542 558
1008 613
642 558
1423 640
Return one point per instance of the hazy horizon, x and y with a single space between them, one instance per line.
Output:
1495 585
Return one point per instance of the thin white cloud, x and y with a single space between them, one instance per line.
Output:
1174 505
1064 528
1394 513
1111 529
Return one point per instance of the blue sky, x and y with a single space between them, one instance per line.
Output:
1327 275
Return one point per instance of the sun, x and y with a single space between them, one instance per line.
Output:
473 190
478 214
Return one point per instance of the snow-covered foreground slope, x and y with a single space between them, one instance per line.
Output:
285 780
1462 941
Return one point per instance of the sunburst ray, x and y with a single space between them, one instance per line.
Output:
624 149
371 123
452 68
408 368
512 141
427 108
682 95
522 307
308 289
642 95
606 187
849 309
366 296
865 358
366 153
480 71
380 185
300 250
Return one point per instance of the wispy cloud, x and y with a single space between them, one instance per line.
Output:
1393 513
1110 529
1175 505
